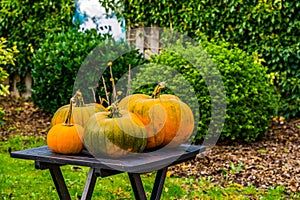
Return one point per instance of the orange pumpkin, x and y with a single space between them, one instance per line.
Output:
114 134
66 138
167 119
81 112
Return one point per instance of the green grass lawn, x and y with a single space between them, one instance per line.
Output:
20 180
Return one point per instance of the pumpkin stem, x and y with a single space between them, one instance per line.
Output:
129 80
67 122
105 89
114 93
78 99
114 110
157 90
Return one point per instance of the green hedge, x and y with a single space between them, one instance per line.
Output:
26 23
270 28
250 97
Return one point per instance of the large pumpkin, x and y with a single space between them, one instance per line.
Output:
81 111
66 138
114 133
168 120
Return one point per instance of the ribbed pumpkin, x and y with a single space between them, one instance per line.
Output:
167 119
66 138
81 112
114 133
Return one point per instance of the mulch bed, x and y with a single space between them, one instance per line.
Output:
272 161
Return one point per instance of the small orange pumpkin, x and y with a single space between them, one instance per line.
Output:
66 138
167 119
81 112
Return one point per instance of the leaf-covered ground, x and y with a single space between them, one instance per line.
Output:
273 161
270 162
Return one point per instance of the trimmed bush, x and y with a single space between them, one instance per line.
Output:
57 63
250 97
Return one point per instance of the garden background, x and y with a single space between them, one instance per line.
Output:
255 45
